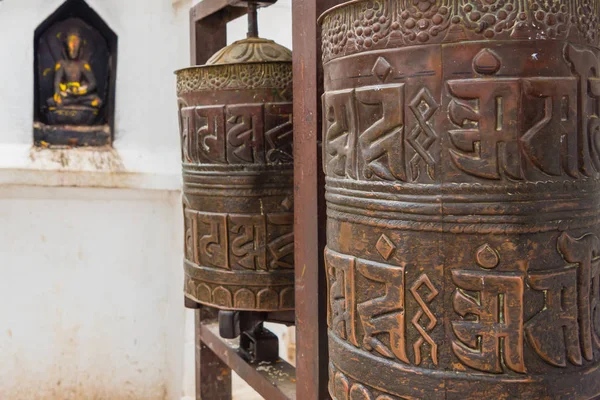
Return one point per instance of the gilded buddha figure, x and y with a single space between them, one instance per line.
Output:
75 86
75 80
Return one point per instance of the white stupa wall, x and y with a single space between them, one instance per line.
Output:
90 240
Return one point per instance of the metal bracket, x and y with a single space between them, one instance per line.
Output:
259 345
256 343
229 324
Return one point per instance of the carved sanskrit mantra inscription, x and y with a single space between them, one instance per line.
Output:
382 316
566 328
572 303
384 149
491 141
237 134
521 129
244 242
488 322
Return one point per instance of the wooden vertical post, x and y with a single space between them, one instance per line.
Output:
207 36
310 217
213 376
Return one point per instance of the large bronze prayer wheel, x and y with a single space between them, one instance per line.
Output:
462 155
236 137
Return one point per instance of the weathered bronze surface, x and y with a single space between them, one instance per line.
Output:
462 153
236 135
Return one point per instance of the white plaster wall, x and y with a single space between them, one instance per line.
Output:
91 294
91 302
90 241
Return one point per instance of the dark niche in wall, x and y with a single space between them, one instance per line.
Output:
75 76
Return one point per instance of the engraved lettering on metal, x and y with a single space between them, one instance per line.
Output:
342 308
560 309
494 141
384 314
380 320
248 246
281 240
236 140
372 152
585 252
214 240
498 329
461 147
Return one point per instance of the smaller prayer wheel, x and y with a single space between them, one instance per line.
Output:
236 138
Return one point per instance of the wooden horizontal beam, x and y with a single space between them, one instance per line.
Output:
208 25
272 380
229 8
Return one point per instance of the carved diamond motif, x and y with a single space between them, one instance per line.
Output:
422 136
287 204
385 247
423 329
382 69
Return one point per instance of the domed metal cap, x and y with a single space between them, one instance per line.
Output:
252 49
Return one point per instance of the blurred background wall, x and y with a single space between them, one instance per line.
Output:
91 240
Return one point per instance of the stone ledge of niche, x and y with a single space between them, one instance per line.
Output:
110 168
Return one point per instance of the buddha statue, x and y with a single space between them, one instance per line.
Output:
75 100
